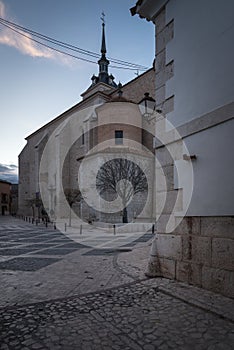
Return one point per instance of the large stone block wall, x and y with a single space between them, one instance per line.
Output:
199 252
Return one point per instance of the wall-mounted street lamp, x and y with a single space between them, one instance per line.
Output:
148 107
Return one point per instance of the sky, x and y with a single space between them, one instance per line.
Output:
38 84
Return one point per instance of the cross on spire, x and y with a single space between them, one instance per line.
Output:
103 18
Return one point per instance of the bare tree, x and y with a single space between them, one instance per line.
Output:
73 196
122 177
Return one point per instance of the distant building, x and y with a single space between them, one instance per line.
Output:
194 75
5 197
14 199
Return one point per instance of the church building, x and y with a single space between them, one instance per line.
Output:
103 102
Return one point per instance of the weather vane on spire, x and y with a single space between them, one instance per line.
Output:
103 17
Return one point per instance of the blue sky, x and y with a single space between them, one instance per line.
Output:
37 84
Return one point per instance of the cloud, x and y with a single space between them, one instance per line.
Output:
24 44
9 173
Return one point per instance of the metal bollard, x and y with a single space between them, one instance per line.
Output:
80 229
36 222
54 225
153 228
114 227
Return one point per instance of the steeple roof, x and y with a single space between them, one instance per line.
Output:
103 63
103 48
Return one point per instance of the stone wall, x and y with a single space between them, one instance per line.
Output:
136 88
199 252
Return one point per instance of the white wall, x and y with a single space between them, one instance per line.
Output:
203 81
213 193
203 54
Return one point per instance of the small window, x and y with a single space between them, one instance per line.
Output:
118 137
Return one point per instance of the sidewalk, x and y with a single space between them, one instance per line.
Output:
98 299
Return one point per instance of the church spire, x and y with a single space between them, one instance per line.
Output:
103 63
103 48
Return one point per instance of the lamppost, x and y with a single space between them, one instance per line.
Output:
147 106
150 114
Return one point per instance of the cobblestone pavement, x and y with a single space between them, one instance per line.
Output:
38 263
134 316
91 299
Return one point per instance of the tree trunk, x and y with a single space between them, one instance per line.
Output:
125 215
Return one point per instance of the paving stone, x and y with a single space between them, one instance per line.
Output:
9 245
72 244
40 245
26 263
34 240
56 251
101 252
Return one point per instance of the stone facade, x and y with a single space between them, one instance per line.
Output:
135 89
199 252
99 144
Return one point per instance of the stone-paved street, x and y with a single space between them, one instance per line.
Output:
55 294
38 263
137 316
